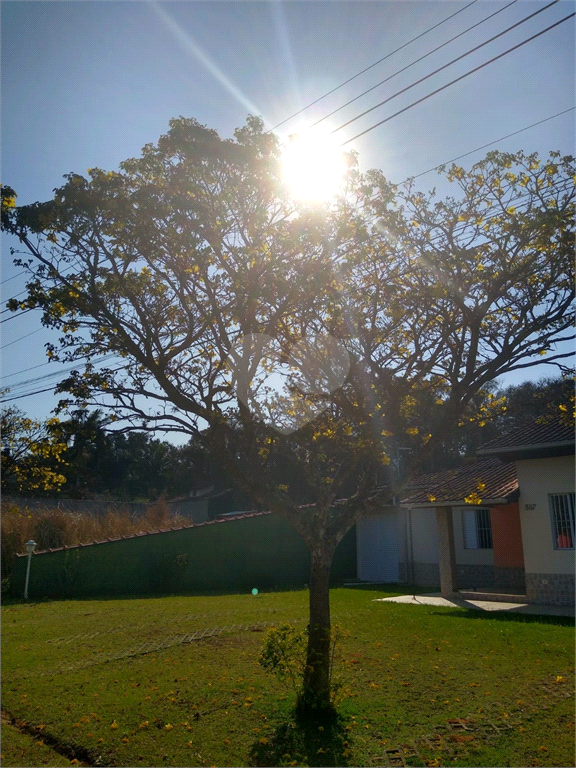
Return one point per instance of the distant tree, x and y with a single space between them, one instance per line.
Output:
32 454
546 399
194 265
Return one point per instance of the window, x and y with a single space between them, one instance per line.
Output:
562 512
477 528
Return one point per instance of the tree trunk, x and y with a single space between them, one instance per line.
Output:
315 698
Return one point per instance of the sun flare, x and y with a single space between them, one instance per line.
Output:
313 166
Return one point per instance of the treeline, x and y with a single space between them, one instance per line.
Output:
83 457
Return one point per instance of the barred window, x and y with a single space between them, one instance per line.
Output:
477 528
562 513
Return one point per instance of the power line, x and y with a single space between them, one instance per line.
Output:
24 311
10 299
456 80
320 98
52 375
13 277
21 337
19 397
399 71
46 389
490 143
25 370
444 66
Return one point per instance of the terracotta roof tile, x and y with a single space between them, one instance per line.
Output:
453 485
532 433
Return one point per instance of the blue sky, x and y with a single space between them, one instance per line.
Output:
87 84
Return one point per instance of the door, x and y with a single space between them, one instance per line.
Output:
377 548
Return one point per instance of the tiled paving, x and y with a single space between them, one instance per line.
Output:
435 598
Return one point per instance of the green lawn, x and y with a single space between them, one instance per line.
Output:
426 685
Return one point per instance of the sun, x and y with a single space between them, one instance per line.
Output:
313 166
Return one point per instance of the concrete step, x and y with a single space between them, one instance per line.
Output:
494 597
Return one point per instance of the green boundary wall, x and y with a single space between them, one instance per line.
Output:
236 555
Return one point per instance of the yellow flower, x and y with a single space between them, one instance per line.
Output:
168 727
114 725
263 740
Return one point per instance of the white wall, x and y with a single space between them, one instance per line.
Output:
537 478
425 539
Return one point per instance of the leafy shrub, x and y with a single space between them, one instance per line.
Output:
284 653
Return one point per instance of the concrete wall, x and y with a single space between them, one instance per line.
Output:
419 551
549 571
537 478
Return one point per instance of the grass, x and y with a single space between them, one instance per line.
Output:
426 685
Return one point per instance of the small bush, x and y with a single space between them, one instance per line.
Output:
284 653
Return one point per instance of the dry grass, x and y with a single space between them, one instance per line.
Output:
53 527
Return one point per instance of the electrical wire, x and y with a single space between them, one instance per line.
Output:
490 143
13 277
36 379
20 339
23 312
456 80
444 66
11 298
25 370
416 61
328 93
46 389
19 397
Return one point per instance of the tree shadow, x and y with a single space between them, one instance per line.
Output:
299 741
506 616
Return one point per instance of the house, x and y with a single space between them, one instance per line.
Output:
543 454
503 523
199 504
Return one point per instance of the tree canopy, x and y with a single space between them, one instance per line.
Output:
210 283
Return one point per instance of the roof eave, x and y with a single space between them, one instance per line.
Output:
536 450
454 503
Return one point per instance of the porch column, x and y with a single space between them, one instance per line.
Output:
448 578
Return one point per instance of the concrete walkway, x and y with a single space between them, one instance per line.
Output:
435 598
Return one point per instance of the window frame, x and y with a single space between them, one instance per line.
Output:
482 532
565 518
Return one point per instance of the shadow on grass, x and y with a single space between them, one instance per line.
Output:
303 742
18 600
389 588
505 616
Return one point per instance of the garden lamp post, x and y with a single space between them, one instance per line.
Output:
30 547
